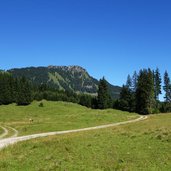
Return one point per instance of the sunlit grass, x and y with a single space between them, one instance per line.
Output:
1 131
145 145
55 116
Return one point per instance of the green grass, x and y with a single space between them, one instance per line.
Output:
145 145
55 116
1 131
141 146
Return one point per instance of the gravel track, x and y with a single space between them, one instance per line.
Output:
8 141
5 133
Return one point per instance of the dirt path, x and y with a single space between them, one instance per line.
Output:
14 130
7 141
6 132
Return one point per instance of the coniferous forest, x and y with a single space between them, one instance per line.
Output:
15 90
140 93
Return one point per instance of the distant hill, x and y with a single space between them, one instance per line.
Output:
74 78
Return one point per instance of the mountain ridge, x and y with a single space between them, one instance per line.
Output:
73 78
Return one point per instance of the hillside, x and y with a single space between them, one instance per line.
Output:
144 145
74 78
56 116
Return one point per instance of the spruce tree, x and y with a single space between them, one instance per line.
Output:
145 92
5 88
157 84
103 99
24 92
134 81
127 96
129 82
167 87
124 101
85 100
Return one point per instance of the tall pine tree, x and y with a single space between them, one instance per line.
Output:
167 87
145 92
124 100
6 86
103 99
134 81
157 84
129 82
127 96
24 92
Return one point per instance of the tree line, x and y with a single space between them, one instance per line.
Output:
141 93
14 90
23 92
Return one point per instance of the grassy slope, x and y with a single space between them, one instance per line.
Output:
56 116
144 145
1 131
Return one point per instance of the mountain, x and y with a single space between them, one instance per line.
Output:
74 78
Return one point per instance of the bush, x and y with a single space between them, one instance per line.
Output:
41 104
165 107
155 111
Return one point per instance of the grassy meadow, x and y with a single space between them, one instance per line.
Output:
55 116
1 131
140 146
145 145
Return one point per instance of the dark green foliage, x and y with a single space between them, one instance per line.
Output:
104 100
141 93
157 83
41 104
14 90
124 98
7 88
71 78
134 81
24 92
165 107
56 95
145 92
86 100
129 82
127 96
94 103
71 84
63 84
45 92
167 87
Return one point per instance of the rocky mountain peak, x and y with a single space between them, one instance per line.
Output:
75 68
71 78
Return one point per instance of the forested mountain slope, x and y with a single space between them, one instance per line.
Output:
73 78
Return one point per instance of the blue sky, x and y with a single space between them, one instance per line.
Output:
110 38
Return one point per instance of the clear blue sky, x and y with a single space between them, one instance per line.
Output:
110 38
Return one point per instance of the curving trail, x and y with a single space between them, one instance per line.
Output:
7 141
5 133
14 130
